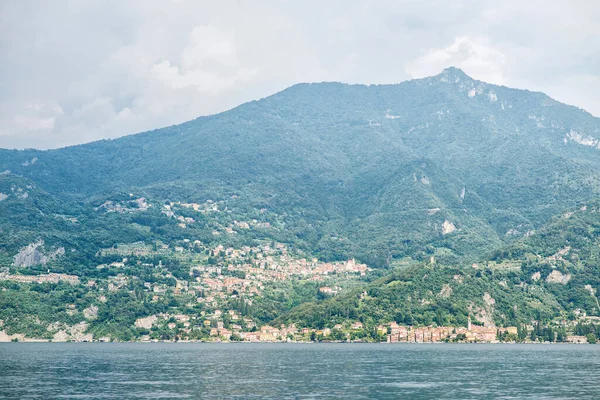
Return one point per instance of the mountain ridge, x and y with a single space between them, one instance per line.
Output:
449 72
347 153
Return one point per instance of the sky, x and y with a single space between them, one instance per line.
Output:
77 71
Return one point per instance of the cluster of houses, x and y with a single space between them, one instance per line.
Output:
43 278
246 270
237 272
206 207
131 206
268 333
392 331
395 333
472 333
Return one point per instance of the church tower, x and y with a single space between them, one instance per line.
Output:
469 323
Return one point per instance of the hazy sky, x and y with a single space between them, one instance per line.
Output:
77 71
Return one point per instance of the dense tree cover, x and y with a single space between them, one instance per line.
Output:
29 309
545 276
418 296
33 309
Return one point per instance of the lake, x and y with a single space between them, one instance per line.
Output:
297 371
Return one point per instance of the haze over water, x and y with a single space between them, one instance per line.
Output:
298 371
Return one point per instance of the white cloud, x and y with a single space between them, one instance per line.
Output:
209 63
22 119
26 123
208 44
475 55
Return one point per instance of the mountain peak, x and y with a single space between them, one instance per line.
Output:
455 72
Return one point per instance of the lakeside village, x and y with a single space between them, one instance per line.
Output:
213 292
228 325
209 291
356 332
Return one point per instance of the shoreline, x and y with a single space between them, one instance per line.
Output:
290 342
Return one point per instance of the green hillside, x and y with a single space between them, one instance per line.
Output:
552 274
367 171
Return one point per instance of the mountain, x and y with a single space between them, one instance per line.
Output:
292 198
368 171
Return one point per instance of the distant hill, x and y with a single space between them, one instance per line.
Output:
375 172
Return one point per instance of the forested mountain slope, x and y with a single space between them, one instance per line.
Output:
374 172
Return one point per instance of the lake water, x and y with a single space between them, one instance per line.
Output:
298 371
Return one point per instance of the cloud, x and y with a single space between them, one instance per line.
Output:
73 72
208 44
475 56
28 119
209 63
34 123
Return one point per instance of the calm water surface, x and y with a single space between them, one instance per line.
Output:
298 371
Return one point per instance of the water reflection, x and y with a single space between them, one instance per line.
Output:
280 371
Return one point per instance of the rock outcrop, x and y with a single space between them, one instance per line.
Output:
448 227
557 277
146 322
33 254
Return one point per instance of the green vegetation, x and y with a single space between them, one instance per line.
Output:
557 274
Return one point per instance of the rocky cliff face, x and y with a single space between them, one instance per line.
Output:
33 254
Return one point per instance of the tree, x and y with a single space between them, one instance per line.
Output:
591 338
521 332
